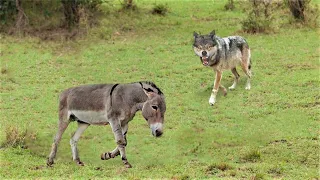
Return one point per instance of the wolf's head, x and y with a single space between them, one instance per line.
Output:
205 46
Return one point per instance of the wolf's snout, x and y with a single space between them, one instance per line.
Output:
204 53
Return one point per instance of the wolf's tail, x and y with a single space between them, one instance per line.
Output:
247 54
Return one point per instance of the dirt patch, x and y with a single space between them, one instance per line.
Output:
38 167
302 66
51 34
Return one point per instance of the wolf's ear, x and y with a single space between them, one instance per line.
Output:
212 34
195 35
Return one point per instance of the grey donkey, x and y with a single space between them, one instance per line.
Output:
223 54
114 104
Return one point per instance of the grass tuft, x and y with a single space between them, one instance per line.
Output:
276 171
252 156
16 137
4 70
215 168
257 176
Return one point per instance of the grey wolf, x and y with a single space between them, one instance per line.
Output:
114 104
223 54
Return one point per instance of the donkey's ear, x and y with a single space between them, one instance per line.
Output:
195 34
149 92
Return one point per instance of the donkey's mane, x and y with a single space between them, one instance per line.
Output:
152 85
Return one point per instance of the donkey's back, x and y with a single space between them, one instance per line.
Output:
87 103
86 97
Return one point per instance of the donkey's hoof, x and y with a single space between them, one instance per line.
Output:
105 156
127 165
79 163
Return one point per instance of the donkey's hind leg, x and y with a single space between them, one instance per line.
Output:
74 140
62 126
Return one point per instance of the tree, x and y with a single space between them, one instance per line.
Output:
22 19
71 12
128 4
297 8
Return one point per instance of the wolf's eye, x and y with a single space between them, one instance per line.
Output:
209 47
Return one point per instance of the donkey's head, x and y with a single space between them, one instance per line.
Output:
153 110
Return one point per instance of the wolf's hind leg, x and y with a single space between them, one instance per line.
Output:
247 71
223 89
236 78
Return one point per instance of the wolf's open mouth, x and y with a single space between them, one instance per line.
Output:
205 61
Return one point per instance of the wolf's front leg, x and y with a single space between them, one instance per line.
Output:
215 89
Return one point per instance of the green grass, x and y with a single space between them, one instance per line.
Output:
269 132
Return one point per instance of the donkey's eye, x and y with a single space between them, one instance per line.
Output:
154 107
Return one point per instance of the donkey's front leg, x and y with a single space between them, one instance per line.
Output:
121 142
116 152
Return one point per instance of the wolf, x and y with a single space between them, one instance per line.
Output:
223 54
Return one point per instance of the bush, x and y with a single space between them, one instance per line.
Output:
35 16
7 11
229 5
160 9
259 18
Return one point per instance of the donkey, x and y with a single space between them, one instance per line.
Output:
103 104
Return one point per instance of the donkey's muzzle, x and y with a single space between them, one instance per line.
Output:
156 129
158 133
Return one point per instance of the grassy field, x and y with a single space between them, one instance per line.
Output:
269 132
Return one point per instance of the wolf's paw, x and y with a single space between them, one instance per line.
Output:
231 88
248 87
212 101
